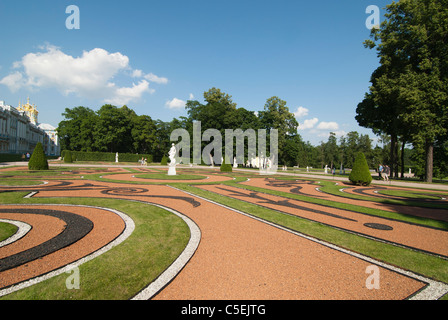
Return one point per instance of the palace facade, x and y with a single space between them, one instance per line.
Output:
20 131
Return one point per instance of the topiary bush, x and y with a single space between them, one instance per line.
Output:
38 160
360 174
226 167
164 161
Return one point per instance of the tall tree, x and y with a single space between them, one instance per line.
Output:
76 130
412 45
276 115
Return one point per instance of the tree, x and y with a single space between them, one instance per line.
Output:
76 132
143 134
38 160
330 149
113 129
276 115
413 52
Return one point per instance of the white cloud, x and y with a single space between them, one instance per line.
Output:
124 95
90 75
153 78
137 73
328 126
191 97
308 124
13 81
175 104
301 112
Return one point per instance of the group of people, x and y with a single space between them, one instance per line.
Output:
384 172
143 162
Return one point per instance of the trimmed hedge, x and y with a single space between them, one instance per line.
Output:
360 174
68 157
38 160
106 156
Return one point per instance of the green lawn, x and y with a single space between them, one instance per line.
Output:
7 230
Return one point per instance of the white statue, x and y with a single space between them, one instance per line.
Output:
172 164
116 157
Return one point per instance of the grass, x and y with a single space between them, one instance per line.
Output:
19 182
7 230
159 237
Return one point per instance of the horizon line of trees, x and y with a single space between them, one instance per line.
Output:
120 129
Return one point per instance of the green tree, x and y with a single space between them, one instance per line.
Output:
76 131
143 134
330 150
413 52
113 129
276 115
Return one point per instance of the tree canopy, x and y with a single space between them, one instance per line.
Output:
409 92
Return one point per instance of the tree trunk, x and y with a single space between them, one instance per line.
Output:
429 161
402 158
393 157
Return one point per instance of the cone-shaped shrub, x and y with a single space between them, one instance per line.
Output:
360 174
164 161
226 166
38 160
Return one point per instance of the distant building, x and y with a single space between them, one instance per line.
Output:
20 131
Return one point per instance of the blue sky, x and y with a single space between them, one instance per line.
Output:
155 55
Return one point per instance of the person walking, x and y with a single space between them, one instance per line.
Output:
380 171
386 173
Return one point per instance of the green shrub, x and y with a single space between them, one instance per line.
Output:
10 157
38 160
68 156
164 161
226 167
360 174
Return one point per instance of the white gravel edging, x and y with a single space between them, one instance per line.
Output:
24 228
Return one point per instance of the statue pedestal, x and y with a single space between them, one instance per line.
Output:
172 171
